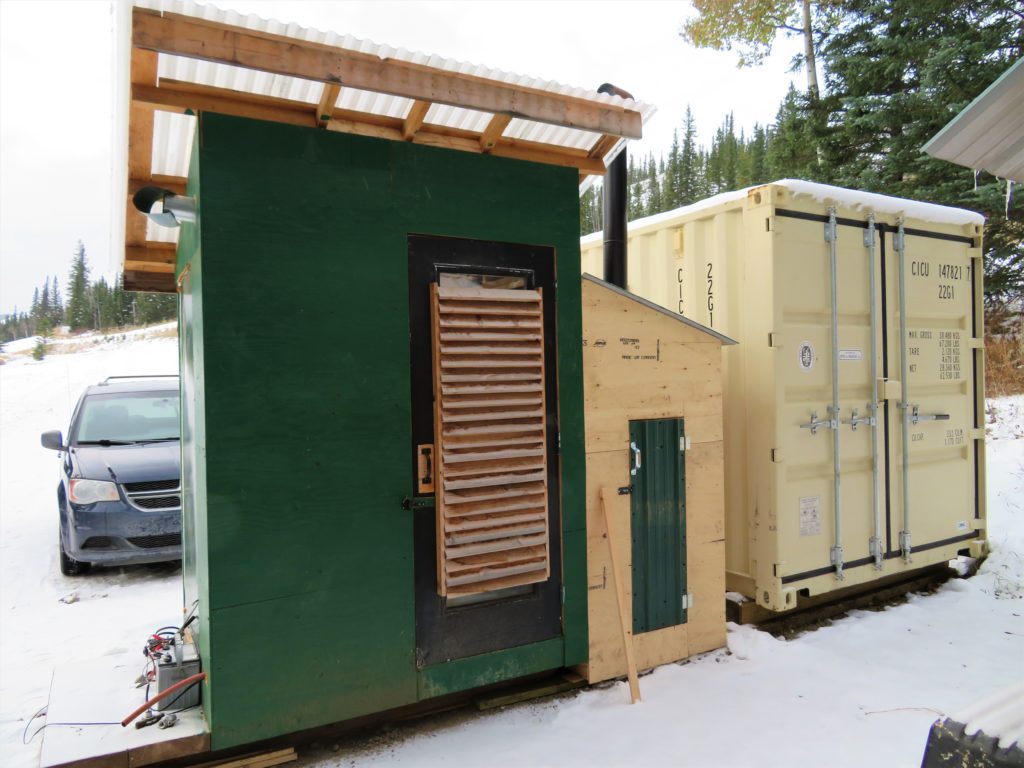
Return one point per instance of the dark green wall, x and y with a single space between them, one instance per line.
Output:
303 318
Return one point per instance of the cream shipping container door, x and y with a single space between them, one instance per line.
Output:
854 436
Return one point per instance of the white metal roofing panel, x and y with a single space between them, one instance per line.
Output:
172 139
297 89
989 133
999 715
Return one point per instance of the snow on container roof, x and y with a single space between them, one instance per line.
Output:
178 58
826 194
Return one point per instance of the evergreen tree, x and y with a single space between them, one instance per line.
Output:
672 189
56 304
653 203
591 214
635 192
898 71
790 150
79 313
691 182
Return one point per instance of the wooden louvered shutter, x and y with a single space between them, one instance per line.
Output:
489 427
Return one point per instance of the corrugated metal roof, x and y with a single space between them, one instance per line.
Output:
170 154
172 134
988 134
999 715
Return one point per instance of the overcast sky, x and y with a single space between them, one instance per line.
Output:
57 73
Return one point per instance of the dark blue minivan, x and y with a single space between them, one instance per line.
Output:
120 488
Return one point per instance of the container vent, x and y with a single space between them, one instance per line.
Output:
489 421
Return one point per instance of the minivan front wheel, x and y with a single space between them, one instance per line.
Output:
68 565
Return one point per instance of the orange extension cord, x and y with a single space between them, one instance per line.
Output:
163 695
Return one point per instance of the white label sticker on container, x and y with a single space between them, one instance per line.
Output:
810 515
806 356
851 354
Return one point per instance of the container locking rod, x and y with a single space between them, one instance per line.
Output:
875 542
899 245
831 234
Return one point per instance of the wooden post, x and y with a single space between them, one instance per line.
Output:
620 599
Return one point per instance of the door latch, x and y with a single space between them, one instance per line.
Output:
856 419
636 458
815 423
916 417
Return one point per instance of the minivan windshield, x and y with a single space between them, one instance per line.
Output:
128 417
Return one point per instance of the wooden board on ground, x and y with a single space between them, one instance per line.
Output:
254 760
103 691
567 681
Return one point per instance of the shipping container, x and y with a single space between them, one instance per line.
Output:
854 434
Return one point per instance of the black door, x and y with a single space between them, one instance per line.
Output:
456 627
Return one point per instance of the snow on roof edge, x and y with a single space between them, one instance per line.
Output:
866 202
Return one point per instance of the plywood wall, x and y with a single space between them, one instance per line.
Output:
642 364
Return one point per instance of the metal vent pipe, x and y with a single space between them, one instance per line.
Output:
615 209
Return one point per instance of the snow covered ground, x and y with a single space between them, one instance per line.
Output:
862 691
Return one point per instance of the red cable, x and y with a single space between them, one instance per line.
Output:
162 695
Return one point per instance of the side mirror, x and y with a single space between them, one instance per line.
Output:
53 440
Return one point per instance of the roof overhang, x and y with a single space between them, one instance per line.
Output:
987 135
187 62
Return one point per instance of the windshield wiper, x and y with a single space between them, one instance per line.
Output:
157 440
106 442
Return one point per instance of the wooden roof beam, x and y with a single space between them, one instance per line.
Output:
140 141
328 100
154 282
492 133
182 96
196 38
414 120
175 184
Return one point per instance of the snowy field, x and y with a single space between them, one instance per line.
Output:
862 691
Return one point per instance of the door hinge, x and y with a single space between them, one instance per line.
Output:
687 602
684 443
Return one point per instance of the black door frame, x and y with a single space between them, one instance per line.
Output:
445 633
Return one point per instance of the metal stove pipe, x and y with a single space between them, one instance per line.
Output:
615 199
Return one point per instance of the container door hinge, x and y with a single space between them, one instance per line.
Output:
684 443
905 547
774 340
687 602
777 456
836 557
875 550
563 594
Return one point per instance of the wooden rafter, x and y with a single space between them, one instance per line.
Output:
328 98
140 142
212 41
150 265
181 96
493 132
414 120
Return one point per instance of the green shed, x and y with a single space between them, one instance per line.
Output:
382 458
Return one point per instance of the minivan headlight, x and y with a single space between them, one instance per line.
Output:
91 491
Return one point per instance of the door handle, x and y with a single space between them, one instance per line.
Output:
636 458
425 467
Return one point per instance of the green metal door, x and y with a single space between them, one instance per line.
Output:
658 513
